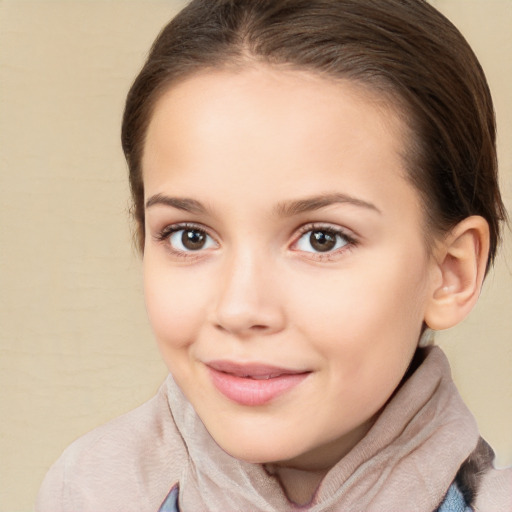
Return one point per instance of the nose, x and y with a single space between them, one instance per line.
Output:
248 299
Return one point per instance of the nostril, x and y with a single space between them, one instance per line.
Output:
256 328
259 327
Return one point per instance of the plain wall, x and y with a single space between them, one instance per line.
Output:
75 345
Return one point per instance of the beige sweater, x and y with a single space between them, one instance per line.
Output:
406 462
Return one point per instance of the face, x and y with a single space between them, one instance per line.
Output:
285 269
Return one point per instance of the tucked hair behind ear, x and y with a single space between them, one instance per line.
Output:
404 49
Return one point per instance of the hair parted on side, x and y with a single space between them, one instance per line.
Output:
404 49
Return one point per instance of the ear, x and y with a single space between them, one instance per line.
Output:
459 271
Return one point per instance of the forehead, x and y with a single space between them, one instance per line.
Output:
268 129
309 101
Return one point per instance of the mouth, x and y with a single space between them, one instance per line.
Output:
253 384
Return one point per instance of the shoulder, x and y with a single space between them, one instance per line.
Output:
454 501
132 459
487 489
495 491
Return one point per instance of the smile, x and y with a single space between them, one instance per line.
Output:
253 384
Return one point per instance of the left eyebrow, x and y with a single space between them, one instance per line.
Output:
308 204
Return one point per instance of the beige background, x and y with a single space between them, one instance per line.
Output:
75 346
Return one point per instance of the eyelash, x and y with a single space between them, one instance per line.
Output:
351 242
164 235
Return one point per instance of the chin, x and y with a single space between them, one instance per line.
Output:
261 452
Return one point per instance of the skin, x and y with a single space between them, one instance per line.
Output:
245 145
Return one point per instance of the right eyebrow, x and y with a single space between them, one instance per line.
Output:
180 203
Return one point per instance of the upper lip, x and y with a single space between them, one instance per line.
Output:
254 370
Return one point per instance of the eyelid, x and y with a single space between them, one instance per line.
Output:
327 226
162 236
352 239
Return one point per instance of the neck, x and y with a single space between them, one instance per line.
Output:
300 477
299 485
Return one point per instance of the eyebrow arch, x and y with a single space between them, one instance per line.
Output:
181 203
308 204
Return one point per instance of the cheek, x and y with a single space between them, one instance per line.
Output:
378 301
175 305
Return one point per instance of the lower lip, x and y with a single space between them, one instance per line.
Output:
253 392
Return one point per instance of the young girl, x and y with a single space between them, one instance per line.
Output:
315 191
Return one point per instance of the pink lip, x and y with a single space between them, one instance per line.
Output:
253 384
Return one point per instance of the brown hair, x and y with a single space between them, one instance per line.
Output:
404 48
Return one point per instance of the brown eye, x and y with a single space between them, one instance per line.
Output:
322 240
190 239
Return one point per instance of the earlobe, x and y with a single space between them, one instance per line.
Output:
461 260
